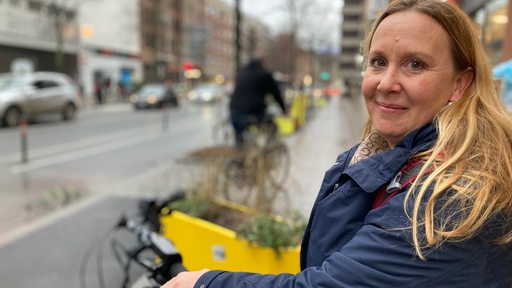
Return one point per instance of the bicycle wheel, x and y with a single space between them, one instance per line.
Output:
235 181
223 133
256 176
266 170
276 169
277 162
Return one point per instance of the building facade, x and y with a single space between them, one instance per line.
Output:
195 33
29 39
110 62
352 32
219 44
161 33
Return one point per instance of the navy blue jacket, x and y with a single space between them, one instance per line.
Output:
349 244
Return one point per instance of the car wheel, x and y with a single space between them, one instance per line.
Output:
12 117
69 112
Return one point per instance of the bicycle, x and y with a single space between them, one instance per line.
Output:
164 261
254 174
156 254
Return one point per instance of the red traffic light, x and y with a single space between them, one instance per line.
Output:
187 66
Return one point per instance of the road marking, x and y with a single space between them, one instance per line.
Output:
77 144
86 142
129 140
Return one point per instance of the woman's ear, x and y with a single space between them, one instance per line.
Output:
462 82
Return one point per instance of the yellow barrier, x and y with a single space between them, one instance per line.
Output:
298 109
320 101
206 245
285 125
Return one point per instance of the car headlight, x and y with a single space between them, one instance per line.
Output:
151 99
317 93
207 96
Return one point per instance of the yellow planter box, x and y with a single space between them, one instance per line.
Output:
203 244
285 125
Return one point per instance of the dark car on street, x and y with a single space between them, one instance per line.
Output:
154 96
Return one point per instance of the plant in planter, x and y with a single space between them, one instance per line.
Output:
263 229
218 234
221 223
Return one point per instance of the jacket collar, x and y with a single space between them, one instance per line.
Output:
375 167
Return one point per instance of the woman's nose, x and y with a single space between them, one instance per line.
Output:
389 81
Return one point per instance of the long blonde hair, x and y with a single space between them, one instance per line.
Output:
472 179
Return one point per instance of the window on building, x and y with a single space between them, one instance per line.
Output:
347 65
349 49
34 5
352 17
352 2
351 33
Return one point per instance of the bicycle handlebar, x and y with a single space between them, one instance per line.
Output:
170 260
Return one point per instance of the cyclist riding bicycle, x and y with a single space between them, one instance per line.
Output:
247 104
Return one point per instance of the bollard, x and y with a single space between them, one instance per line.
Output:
24 136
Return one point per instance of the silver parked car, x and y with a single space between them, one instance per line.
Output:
206 93
36 94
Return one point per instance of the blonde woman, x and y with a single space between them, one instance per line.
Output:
425 200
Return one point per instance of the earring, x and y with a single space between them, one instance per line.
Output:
449 103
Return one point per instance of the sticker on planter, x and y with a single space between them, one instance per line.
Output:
219 253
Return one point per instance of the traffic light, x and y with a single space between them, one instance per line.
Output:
325 76
187 66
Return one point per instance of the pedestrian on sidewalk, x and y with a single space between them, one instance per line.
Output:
425 199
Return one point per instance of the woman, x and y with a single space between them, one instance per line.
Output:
433 110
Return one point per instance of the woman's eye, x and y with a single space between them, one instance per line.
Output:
416 65
377 63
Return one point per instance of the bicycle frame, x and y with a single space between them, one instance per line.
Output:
165 263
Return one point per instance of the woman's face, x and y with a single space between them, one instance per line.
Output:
410 75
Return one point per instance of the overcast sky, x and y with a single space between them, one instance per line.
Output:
324 16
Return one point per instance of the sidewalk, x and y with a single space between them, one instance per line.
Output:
331 130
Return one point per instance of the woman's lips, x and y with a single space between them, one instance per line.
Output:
387 107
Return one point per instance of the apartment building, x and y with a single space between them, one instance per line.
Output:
256 39
219 48
209 39
30 41
352 33
110 48
161 32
